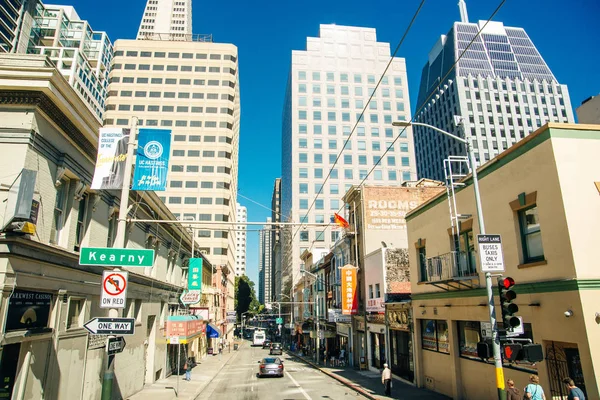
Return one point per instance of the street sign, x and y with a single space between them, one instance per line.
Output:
486 330
191 297
279 321
108 256
111 326
174 340
114 289
231 316
115 345
490 253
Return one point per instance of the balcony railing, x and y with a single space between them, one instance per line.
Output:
450 266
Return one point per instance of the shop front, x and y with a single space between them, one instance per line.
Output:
400 340
185 337
359 342
343 337
377 348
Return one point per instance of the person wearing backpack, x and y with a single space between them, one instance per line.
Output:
534 391
574 392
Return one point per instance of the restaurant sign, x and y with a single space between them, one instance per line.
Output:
349 292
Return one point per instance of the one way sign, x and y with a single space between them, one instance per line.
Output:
115 345
111 326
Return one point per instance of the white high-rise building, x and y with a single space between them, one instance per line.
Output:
501 87
241 241
329 85
264 264
166 20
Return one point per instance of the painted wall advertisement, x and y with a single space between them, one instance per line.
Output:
349 293
112 153
152 159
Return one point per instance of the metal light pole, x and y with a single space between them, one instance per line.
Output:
488 276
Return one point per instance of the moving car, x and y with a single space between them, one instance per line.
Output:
276 348
259 338
266 344
270 366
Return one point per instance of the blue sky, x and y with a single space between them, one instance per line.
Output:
565 33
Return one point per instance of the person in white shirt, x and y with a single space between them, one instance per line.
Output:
386 379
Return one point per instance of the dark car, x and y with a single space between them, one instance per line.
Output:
270 366
266 344
276 348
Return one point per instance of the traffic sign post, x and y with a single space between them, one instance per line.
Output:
490 253
115 345
111 326
114 289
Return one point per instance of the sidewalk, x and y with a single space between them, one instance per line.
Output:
368 383
202 375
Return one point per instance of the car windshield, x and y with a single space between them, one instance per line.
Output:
270 360
276 345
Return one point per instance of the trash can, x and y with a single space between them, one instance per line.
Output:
235 346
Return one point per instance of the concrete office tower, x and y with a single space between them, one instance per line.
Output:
501 87
264 264
82 55
589 111
329 84
166 20
275 240
241 239
191 88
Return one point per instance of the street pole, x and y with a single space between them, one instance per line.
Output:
488 281
318 323
109 373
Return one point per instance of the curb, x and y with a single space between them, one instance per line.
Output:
338 378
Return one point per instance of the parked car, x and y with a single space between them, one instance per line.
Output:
266 344
270 366
276 348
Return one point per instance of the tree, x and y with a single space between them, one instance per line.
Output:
245 297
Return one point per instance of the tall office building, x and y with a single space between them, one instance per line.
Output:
166 20
82 55
501 87
275 240
190 87
329 85
241 241
264 264
589 111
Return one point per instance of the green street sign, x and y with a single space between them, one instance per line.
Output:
279 321
195 274
108 256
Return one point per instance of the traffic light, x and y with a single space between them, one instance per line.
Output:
510 351
484 350
507 305
533 353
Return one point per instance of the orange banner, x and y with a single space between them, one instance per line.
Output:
349 292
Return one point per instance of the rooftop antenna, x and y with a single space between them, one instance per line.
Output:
462 6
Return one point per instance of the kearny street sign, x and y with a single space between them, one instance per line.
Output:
116 257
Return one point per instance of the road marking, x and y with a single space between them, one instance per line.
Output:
298 386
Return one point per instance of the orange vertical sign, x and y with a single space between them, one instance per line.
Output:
349 295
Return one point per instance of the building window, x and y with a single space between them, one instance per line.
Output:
75 314
434 335
59 211
81 228
113 223
422 254
531 235
370 291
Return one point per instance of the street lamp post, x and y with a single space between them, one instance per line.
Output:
318 330
488 276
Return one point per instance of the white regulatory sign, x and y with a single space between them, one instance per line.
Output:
114 289
174 340
490 253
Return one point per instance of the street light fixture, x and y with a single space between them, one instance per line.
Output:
488 276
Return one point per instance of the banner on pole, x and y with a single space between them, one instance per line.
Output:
195 274
112 153
152 159
349 293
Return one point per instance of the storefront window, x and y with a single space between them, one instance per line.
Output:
434 335
469 334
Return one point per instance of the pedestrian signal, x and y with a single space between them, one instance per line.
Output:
511 351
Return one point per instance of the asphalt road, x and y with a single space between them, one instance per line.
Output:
238 380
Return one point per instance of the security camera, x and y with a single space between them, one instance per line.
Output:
568 313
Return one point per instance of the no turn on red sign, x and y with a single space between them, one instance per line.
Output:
114 289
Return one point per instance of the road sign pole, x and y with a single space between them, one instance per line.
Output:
178 364
109 374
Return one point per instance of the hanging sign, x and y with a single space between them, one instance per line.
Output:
114 289
152 159
195 274
112 153
349 294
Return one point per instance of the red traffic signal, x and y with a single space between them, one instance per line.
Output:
507 282
508 308
511 351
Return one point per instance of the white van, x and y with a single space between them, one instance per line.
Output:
259 338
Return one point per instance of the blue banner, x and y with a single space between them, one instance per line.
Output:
152 161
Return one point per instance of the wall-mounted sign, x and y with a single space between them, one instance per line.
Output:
195 274
27 310
191 297
349 292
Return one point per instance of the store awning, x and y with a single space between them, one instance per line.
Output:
213 332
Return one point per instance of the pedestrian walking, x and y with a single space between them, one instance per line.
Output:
574 392
386 379
534 391
343 357
512 393
188 369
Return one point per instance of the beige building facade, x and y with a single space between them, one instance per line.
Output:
47 296
543 197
